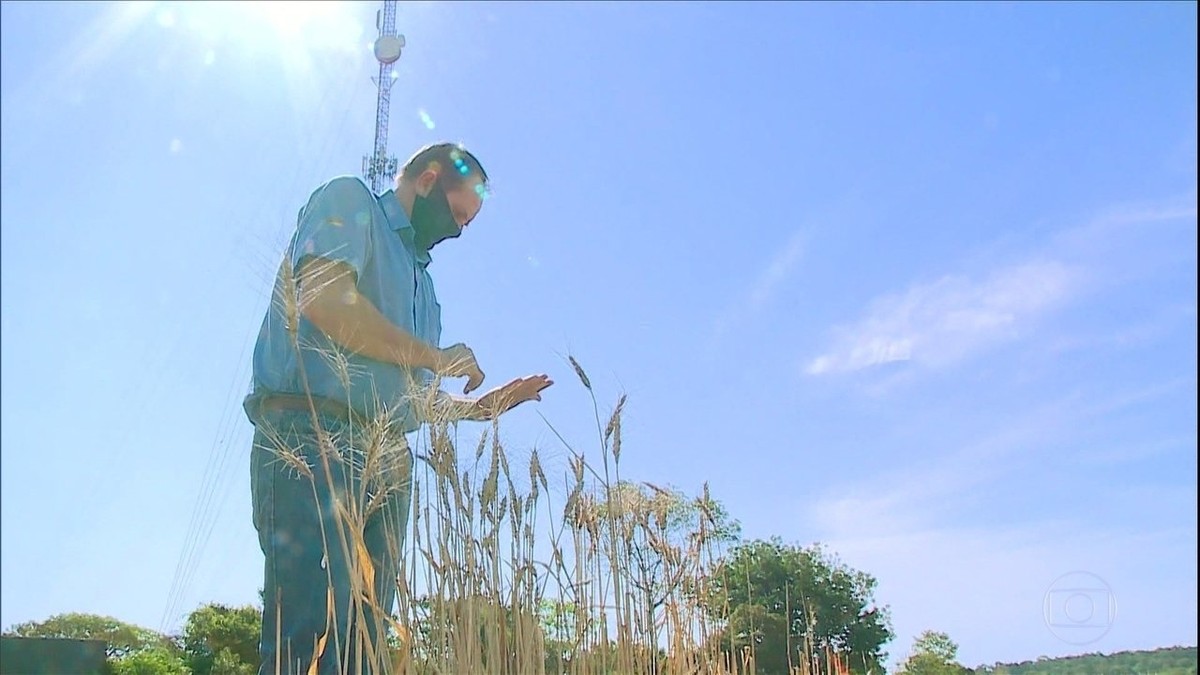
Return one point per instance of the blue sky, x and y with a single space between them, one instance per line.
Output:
917 281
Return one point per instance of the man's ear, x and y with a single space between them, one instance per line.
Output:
427 179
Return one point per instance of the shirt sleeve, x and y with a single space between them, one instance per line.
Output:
335 225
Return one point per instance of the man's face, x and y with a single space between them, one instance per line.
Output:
466 200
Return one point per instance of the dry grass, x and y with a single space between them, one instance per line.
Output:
500 574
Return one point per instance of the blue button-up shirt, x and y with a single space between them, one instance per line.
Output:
345 222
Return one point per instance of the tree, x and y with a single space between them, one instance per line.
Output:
798 607
221 639
122 638
933 653
557 621
153 661
131 649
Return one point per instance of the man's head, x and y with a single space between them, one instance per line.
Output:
442 187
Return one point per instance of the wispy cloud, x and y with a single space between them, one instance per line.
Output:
910 528
1112 226
1163 322
917 492
945 321
960 315
776 272
974 579
765 285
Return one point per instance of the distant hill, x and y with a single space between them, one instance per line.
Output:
1165 661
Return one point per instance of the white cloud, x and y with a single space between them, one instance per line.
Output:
776 272
970 580
940 568
958 316
969 539
765 286
1126 219
950 319
988 588
1159 324
1140 451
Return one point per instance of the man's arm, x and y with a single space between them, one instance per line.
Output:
329 298
450 408
332 245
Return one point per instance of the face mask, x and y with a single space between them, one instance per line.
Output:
432 219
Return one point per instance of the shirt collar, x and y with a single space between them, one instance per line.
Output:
399 222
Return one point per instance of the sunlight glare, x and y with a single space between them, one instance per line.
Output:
289 18
294 29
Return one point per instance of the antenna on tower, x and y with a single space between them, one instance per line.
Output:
379 167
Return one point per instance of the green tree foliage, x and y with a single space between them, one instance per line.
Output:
153 661
122 638
226 663
796 606
933 653
131 649
221 639
558 623
1165 661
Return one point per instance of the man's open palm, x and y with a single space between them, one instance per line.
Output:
504 398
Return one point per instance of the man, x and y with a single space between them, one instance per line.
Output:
346 353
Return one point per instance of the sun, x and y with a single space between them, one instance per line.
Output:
293 31
288 19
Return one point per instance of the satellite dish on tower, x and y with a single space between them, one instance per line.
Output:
387 48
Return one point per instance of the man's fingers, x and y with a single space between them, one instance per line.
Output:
538 383
474 379
461 360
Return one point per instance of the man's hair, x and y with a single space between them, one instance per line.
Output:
453 163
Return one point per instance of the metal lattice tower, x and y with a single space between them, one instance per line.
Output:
380 168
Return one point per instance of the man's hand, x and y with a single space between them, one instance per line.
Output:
502 399
459 361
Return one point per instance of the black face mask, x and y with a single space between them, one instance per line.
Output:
432 219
